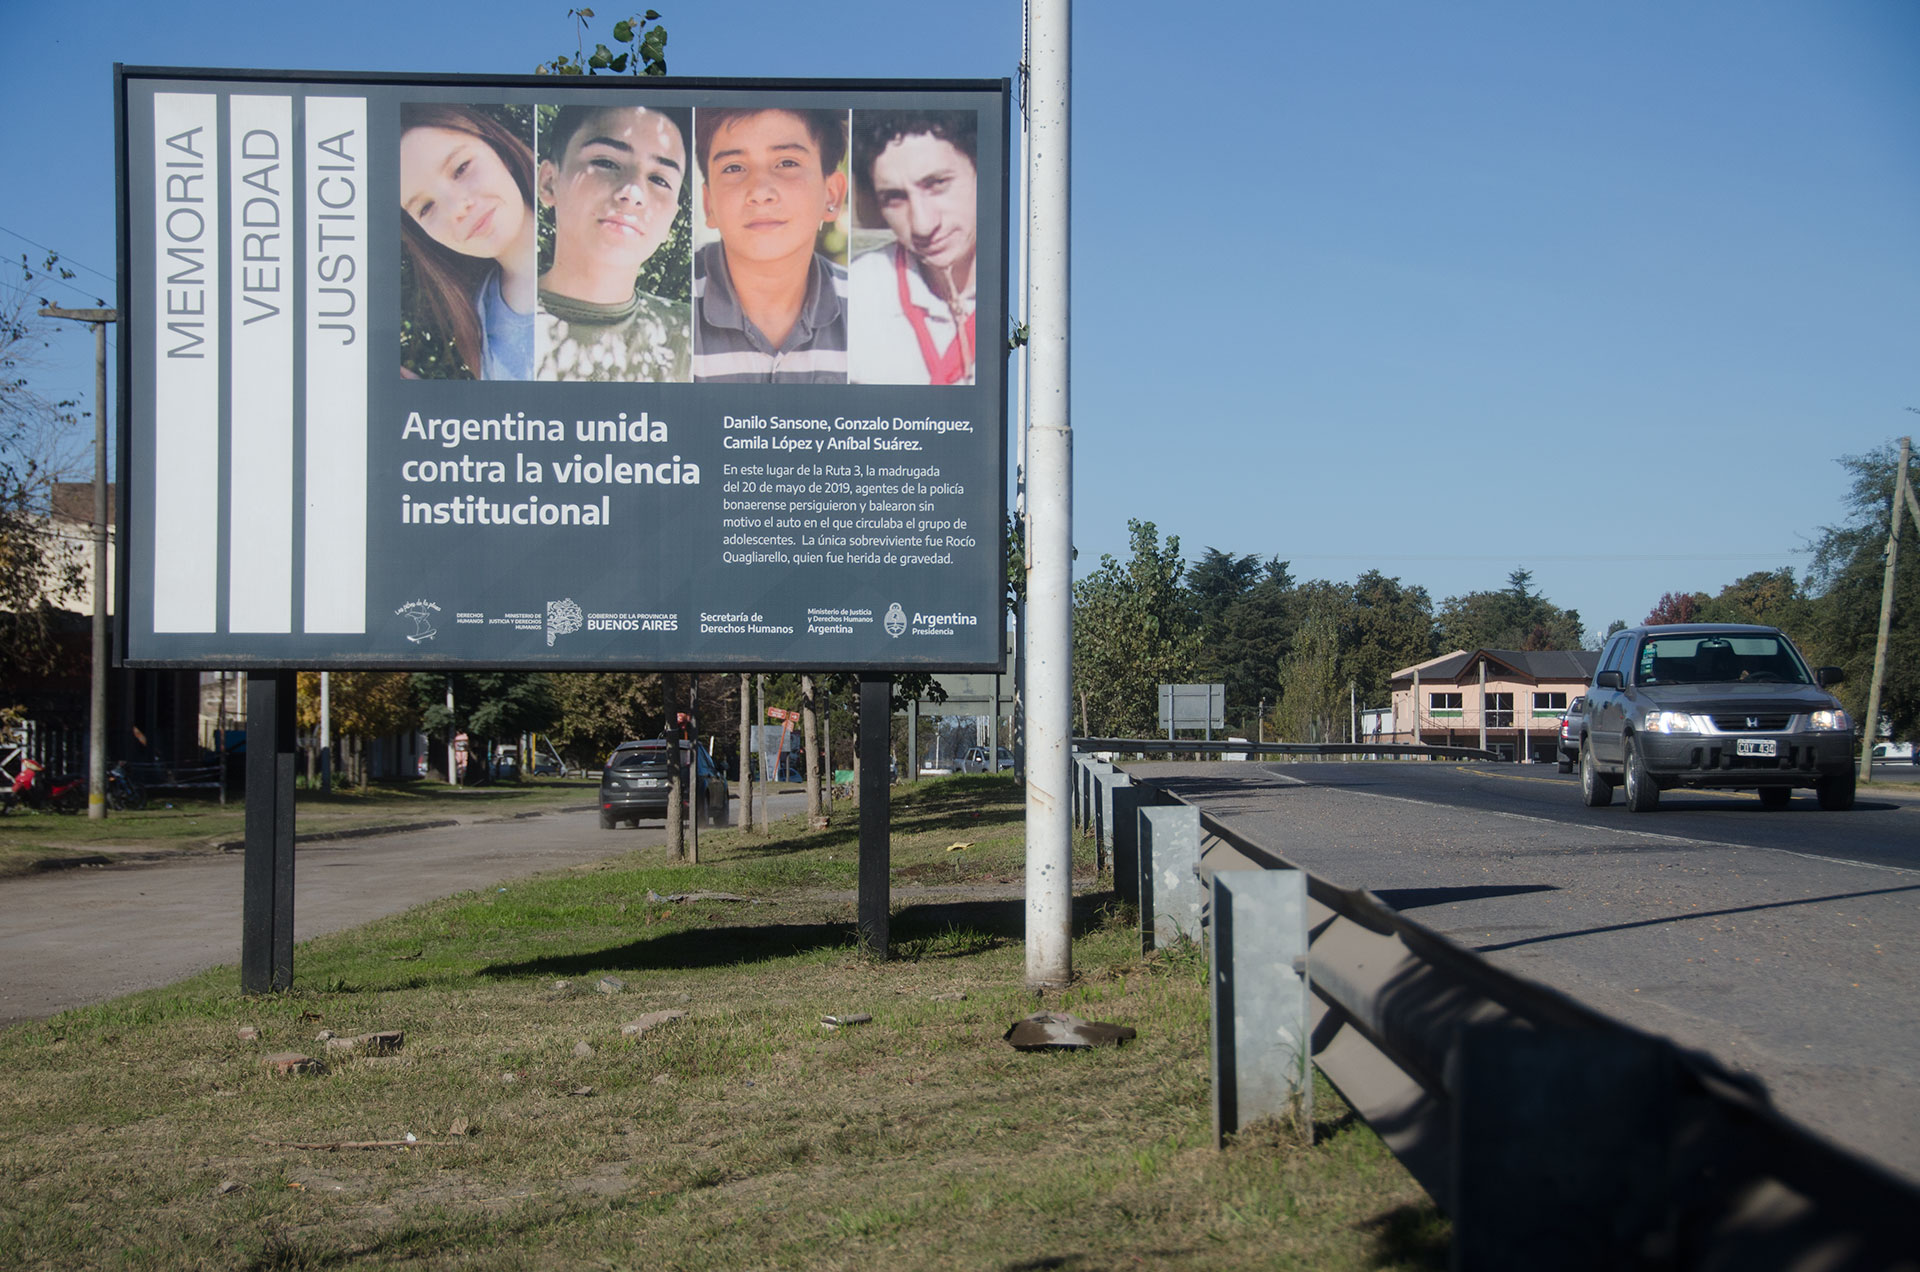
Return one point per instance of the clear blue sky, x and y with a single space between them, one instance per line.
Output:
1598 289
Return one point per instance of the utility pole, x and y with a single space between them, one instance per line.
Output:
766 786
326 736
453 773
1414 714
1049 631
1018 723
97 705
746 753
1483 703
1871 725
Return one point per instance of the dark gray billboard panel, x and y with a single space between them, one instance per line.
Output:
436 371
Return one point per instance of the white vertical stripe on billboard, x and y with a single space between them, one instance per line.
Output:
186 389
336 327
260 441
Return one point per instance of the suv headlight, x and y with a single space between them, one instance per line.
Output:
1669 722
1832 720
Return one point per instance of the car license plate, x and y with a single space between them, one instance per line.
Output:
1766 748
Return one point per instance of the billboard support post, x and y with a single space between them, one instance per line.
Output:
266 928
1050 508
875 735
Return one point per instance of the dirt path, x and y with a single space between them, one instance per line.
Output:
72 938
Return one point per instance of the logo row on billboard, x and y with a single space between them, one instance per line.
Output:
566 616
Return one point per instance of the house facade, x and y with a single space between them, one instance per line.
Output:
1512 698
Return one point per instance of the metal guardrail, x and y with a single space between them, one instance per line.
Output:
1195 746
1551 1134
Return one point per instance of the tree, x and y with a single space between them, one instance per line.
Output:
362 706
38 569
1134 629
1217 580
488 706
644 52
1516 617
596 711
1244 608
1674 607
1772 598
1848 569
1389 625
1314 689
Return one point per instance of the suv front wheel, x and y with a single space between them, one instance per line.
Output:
1596 791
1642 795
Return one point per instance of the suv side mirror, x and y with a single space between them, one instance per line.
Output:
1607 680
1825 676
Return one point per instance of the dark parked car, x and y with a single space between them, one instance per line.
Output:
1573 727
634 783
1715 706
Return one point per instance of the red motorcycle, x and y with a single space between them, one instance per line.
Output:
38 789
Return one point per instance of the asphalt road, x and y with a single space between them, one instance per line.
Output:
1783 942
75 937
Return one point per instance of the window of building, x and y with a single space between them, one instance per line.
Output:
1549 704
1445 704
1499 707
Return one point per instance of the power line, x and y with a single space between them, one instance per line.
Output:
93 298
62 255
1523 558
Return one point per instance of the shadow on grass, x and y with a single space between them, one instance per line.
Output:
935 930
961 804
1416 1236
700 947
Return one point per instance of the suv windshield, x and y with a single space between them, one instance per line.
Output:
1712 659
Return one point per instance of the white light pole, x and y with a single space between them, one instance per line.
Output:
1049 627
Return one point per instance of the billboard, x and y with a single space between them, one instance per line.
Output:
561 372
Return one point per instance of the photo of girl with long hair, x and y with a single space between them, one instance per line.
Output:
467 233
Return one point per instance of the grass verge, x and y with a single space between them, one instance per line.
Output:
742 1135
31 841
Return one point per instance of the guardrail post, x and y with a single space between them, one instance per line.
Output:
1128 800
1117 803
1171 896
1089 793
1102 809
1262 1068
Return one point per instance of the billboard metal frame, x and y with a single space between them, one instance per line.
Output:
132 323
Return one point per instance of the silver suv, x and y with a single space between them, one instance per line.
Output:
1717 706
